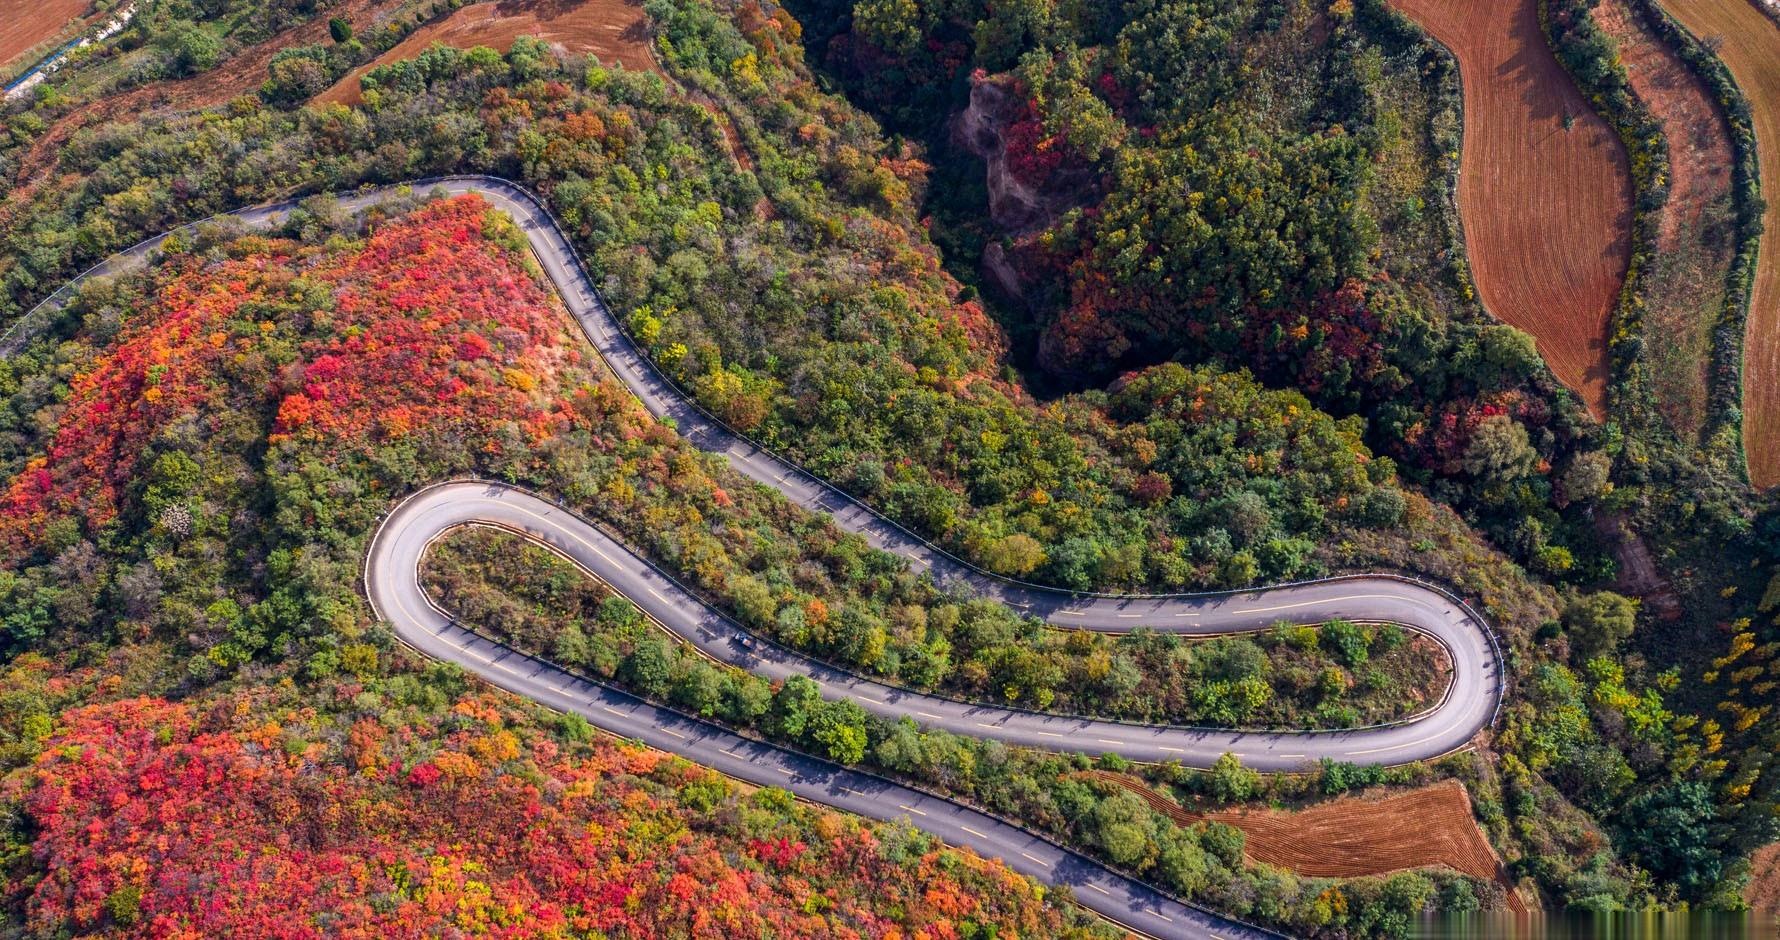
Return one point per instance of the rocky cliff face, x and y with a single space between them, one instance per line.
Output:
1015 206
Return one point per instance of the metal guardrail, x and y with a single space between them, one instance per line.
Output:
963 563
970 568
883 776
142 247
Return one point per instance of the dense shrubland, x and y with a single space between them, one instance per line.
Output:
548 606
1292 677
410 805
225 428
803 301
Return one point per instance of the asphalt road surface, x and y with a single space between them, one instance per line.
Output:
397 548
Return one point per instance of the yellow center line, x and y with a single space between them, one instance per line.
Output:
1037 859
910 809
973 832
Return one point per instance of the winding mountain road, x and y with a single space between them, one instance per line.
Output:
392 584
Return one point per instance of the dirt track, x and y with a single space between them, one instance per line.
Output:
1750 47
25 23
1547 212
614 30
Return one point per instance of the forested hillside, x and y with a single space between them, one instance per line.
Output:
192 459
203 474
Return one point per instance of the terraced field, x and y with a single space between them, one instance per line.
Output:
1749 44
1545 192
1685 287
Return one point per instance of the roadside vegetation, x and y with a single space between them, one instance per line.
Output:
198 527
550 607
378 804
1340 675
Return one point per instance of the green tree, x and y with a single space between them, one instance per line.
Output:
1350 642
1598 622
793 704
894 26
838 730
1016 555
190 48
1669 832
1499 451
1011 27
1120 825
649 669
1230 782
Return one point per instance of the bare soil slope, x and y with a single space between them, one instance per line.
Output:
1547 209
1749 44
25 23
614 30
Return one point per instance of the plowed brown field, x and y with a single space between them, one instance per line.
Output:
25 23
1352 837
1547 211
614 30
1749 44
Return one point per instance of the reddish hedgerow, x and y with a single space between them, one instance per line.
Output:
468 333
